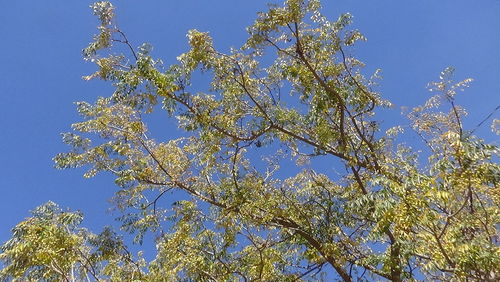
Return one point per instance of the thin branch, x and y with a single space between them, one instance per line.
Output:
156 200
457 116
129 258
89 263
317 267
485 119
315 244
126 42
441 249
344 62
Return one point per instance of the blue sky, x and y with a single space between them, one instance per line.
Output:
41 70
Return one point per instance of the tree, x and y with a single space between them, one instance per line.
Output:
244 202
51 246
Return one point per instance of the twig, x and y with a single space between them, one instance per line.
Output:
126 42
485 119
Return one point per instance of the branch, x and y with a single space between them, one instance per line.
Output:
315 244
125 41
156 199
89 263
485 119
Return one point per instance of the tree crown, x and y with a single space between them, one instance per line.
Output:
241 198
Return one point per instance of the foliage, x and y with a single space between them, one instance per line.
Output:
245 201
51 246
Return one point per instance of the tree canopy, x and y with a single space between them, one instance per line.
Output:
282 171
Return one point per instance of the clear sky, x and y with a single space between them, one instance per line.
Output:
41 70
